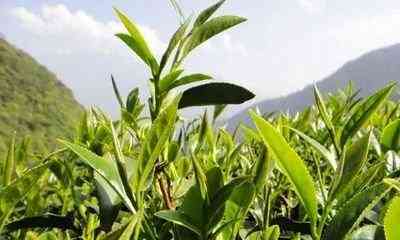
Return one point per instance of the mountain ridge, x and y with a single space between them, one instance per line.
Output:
369 72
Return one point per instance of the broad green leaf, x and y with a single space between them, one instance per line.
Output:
193 205
328 155
364 179
363 113
214 94
11 194
392 220
214 181
217 203
108 200
167 81
105 168
179 219
136 41
290 163
352 212
197 77
390 138
207 13
47 220
209 30
354 159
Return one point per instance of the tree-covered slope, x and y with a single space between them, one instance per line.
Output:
32 101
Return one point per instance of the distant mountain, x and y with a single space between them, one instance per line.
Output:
369 72
32 101
2 36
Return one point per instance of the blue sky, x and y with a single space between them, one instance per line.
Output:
284 45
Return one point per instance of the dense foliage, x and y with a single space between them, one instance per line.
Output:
33 102
330 172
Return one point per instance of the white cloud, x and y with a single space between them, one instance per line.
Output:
365 34
313 6
73 31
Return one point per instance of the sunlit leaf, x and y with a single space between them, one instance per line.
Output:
290 163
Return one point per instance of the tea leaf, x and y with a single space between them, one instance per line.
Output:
328 155
363 112
390 138
214 94
179 219
14 192
392 220
209 30
353 211
197 77
207 13
290 163
105 168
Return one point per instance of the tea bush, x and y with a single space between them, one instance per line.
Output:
329 172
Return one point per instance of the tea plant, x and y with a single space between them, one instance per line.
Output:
329 172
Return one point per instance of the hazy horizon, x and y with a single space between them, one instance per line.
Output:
282 47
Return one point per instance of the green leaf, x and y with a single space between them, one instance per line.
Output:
392 220
214 94
197 77
390 138
47 236
128 232
8 167
262 169
167 81
352 163
209 30
179 219
363 112
325 117
328 155
155 141
176 38
322 108
136 41
353 211
11 194
207 13
47 220
116 92
217 203
290 163
105 168
218 109
193 205
133 100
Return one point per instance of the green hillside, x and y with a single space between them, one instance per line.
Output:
32 101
